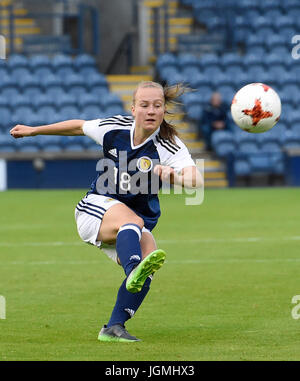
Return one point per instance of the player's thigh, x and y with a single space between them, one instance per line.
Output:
148 244
115 217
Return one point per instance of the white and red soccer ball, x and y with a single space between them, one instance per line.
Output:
256 108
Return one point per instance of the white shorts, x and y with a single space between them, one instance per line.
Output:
88 215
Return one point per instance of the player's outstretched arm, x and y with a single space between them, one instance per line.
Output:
190 177
66 128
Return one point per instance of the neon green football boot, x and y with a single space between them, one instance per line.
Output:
140 273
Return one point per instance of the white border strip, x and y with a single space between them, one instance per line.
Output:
3 175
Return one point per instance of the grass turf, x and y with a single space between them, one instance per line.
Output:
224 292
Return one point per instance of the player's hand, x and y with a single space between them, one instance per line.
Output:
165 173
20 131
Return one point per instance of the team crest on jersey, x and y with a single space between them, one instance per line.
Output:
144 164
109 199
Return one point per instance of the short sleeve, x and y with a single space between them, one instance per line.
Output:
92 129
181 159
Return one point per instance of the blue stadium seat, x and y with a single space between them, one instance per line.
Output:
283 22
291 140
234 71
166 59
85 64
175 78
187 60
9 87
92 112
91 145
251 59
248 147
221 79
256 70
30 86
241 137
275 40
69 111
51 143
63 65
192 98
18 65
203 15
242 167
227 92
293 13
271 145
211 71
4 70
223 149
291 89
261 162
260 22
97 84
221 137
273 13
90 106
265 32
53 85
41 66
189 73
210 60
231 60
75 84
20 103
65 99
46 110
43 100
74 143
255 40
5 112
277 71
86 100
251 15
295 127
241 30
7 143
293 117
29 144
168 71
248 4
241 79
111 110
194 111
110 100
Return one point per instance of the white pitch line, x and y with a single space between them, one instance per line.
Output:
230 240
162 241
182 262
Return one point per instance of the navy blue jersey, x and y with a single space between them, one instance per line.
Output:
126 171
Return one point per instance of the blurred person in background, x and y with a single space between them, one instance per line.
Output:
214 118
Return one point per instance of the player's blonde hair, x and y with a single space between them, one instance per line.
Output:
171 93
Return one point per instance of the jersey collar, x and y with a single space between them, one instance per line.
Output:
146 141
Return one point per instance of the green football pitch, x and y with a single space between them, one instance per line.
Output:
224 293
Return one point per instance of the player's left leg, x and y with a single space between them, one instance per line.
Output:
127 302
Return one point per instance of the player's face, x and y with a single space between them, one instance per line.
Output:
149 108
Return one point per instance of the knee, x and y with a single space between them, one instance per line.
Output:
135 220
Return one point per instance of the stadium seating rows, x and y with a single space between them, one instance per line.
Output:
249 15
264 29
39 90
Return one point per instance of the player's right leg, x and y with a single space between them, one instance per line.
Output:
122 225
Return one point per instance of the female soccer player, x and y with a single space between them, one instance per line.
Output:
120 210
